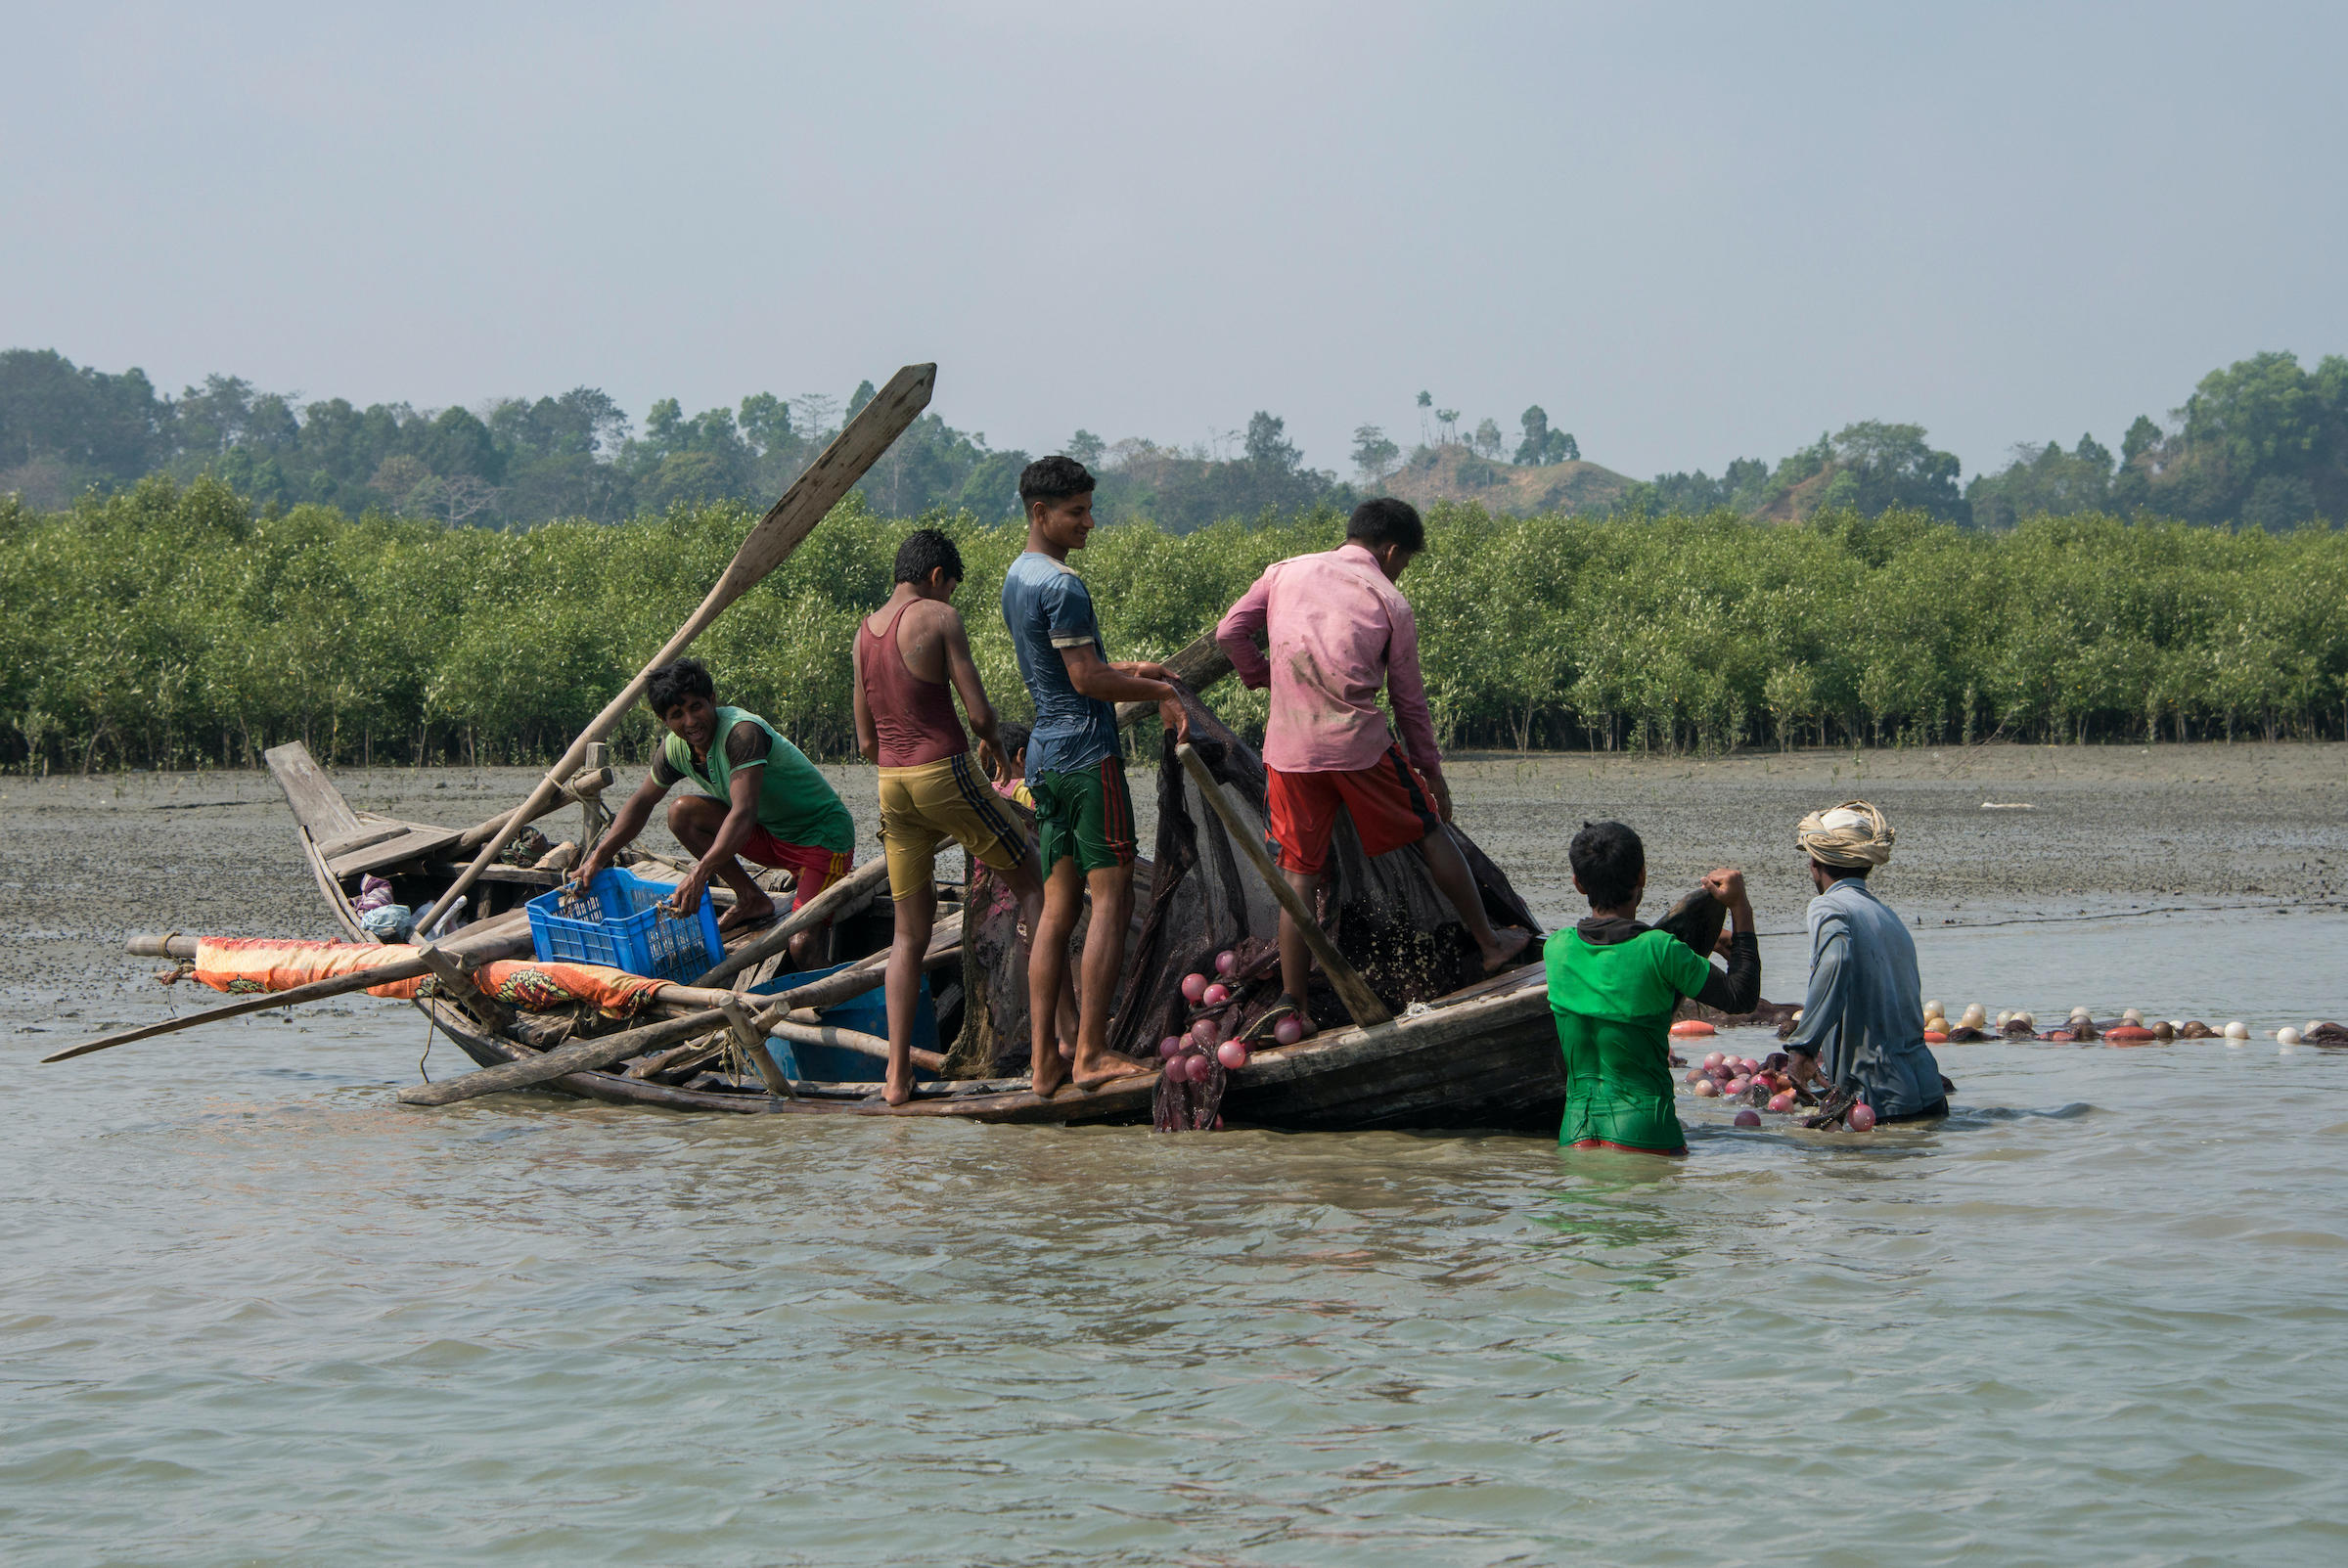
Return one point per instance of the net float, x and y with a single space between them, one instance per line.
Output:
1288 1031
1748 1118
1861 1117
1170 1047
1707 1089
2129 1034
1226 962
1691 1029
1216 995
1714 1061
1193 986
1232 1055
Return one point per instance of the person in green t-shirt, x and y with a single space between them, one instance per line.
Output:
756 796
1613 984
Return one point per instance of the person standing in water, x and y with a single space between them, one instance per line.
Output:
1613 985
1328 633
1076 769
913 656
1862 1031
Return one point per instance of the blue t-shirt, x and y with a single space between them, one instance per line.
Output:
1047 608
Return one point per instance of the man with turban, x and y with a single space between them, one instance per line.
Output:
1863 1022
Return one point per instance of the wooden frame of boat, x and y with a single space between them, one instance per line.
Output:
1483 1057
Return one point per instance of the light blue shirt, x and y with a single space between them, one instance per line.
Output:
1864 1017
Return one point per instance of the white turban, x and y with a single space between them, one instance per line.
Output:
1851 835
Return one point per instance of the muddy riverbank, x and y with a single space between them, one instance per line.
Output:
2107 829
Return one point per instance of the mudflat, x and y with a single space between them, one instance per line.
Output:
1987 833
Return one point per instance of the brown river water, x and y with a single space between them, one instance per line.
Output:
253 1312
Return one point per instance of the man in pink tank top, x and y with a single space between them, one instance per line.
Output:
912 655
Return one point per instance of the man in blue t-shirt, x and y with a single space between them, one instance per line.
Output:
1076 771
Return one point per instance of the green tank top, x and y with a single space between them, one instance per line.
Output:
795 803
1613 1005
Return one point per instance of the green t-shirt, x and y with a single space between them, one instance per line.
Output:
1613 1005
795 802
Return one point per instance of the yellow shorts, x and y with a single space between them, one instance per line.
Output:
946 796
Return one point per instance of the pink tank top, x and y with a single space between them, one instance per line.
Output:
916 718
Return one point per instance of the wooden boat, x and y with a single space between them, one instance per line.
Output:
1485 1056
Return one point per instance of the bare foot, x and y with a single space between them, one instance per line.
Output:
897 1091
1507 943
1106 1066
746 918
1051 1079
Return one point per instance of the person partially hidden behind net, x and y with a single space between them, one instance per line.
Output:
1613 984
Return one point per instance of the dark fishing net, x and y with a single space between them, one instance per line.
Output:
1385 915
994 1040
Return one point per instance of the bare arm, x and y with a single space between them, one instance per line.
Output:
963 670
868 734
1133 680
624 828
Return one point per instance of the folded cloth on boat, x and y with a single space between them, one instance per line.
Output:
1849 835
245 965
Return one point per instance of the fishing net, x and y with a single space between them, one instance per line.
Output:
1385 915
1198 899
994 1040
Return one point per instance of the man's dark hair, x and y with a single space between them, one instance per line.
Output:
1841 871
1387 521
1053 478
1607 860
924 551
1011 736
672 684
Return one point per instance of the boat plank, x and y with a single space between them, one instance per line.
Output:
317 804
416 843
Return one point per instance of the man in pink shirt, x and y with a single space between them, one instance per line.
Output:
1337 632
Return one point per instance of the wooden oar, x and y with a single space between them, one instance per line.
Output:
1343 977
810 498
858 884
503 929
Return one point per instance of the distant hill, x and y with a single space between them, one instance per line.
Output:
1454 473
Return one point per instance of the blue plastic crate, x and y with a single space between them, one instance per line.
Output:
617 922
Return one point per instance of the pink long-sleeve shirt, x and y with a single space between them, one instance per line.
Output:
1333 631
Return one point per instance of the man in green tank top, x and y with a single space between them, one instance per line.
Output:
1613 984
758 797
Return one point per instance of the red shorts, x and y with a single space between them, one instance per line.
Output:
818 869
1388 809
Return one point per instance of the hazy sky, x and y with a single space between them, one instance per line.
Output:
1691 233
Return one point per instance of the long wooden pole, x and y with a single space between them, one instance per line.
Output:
858 884
810 498
504 932
1343 977
593 1055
